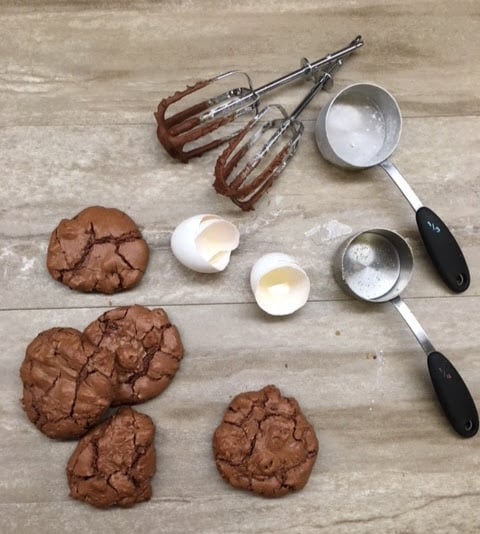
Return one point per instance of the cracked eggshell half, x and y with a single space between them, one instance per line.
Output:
204 243
279 284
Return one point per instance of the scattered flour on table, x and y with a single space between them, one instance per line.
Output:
328 231
27 264
12 261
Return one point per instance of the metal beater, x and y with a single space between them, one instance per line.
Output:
197 121
252 150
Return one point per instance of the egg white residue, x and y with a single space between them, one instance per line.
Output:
279 284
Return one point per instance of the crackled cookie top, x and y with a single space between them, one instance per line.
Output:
264 444
67 382
147 349
114 463
99 250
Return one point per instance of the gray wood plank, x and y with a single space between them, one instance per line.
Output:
113 65
55 172
359 377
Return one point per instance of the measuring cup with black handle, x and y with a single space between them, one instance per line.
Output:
376 266
360 128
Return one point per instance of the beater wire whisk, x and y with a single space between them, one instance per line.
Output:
202 126
261 155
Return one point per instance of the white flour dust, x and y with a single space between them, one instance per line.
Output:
328 231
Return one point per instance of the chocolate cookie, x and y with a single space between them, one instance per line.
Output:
67 382
264 444
115 462
99 250
147 347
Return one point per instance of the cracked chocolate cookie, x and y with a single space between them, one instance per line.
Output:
99 250
114 463
264 444
67 382
147 349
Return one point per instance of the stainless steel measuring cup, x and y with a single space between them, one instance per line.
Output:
375 266
359 128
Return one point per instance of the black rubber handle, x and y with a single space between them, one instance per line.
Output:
453 394
443 250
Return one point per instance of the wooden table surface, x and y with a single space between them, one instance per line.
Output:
79 82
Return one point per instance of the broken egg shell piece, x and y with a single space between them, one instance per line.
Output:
204 243
279 284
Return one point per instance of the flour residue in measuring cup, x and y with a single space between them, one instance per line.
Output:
371 266
356 129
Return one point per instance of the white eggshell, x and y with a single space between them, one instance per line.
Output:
204 243
279 284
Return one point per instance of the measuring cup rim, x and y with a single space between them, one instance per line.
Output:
405 270
326 112
366 84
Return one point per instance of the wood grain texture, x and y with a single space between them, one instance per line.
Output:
79 82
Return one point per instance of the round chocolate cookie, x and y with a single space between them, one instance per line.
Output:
147 348
67 382
99 250
115 462
264 444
